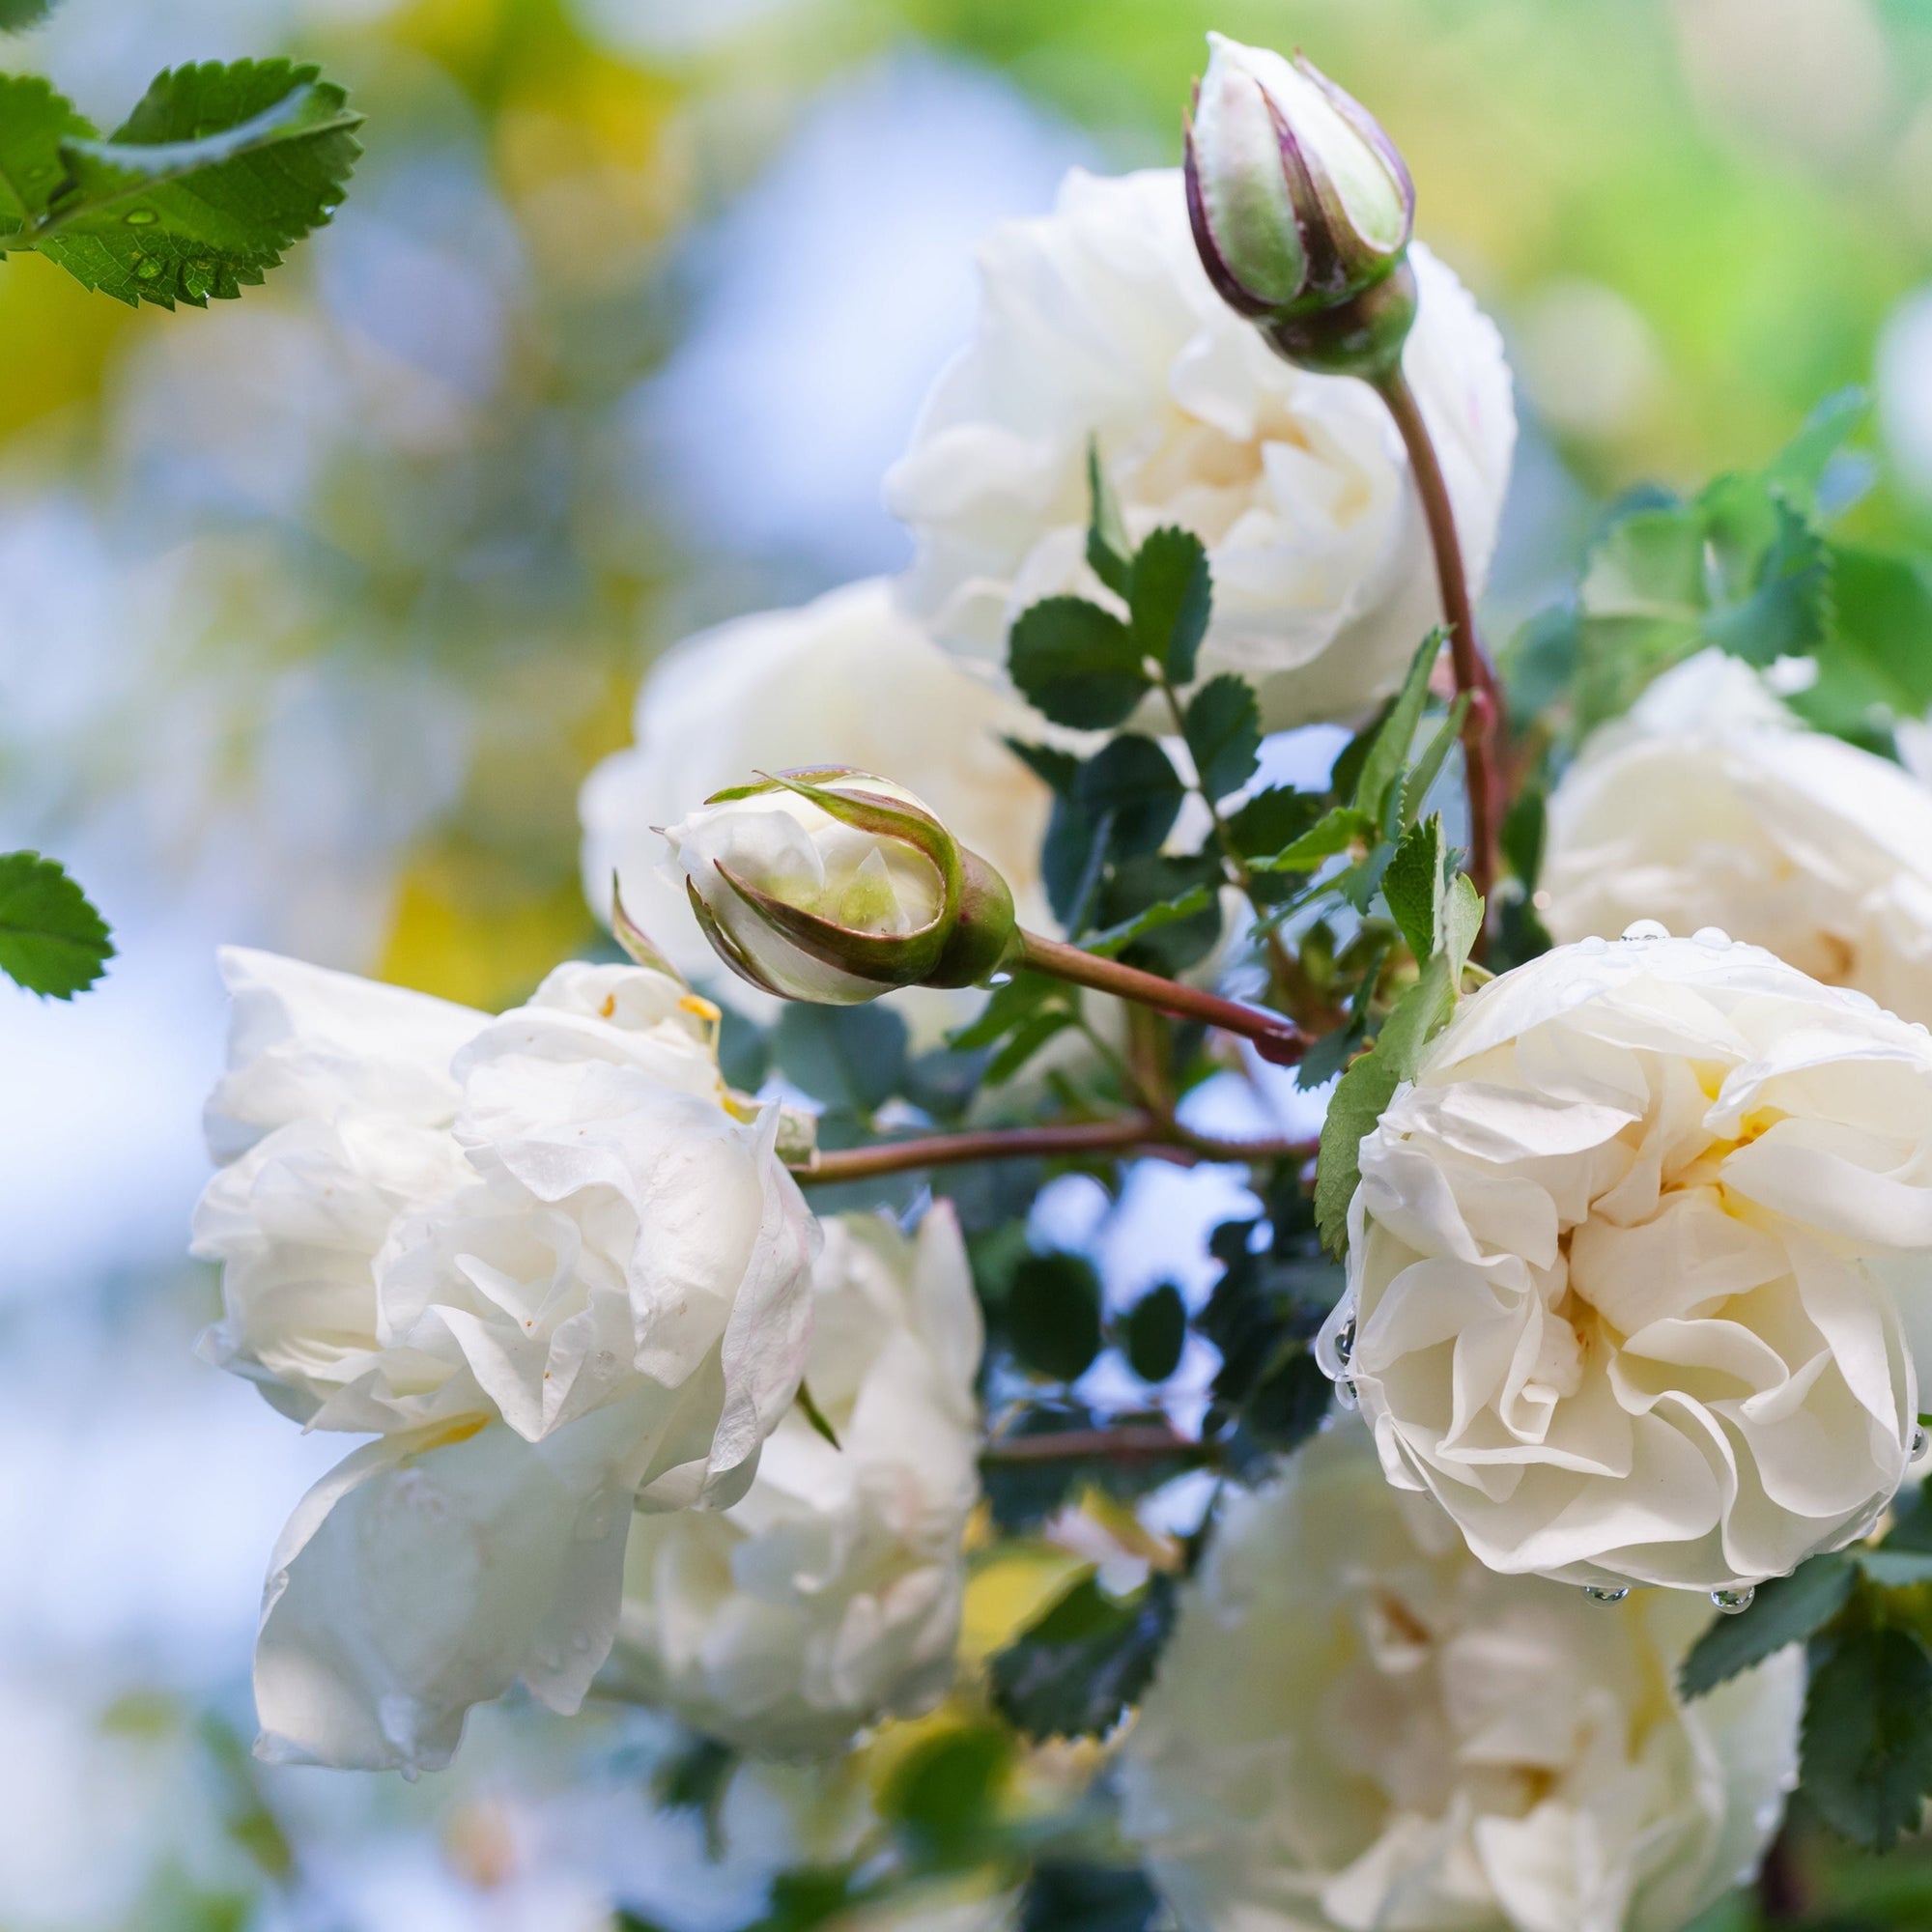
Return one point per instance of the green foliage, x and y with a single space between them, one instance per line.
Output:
1065 1896
53 941
1075 1670
1156 1332
16 15
1053 1315
1169 600
1076 664
1224 734
942 1794
1023 1493
850 1057
1414 886
217 171
1786 1609
1866 1755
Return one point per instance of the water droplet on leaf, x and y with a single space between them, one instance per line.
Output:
142 217
147 269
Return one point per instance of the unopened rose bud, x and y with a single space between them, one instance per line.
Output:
834 886
1302 210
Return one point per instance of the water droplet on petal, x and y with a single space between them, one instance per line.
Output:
1646 929
1345 1341
1593 945
142 217
1919 1442
1603 1593
1734 1602
1766 1815
999 980
1345 1396
1713 936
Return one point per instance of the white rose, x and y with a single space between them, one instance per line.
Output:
843 680
542 1262
1098 322
1622 1263
1357 1726
1710 805
830 1596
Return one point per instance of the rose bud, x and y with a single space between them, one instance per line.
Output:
834 886
1302 210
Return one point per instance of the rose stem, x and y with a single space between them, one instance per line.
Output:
1472 672
1276 1038
1133 1442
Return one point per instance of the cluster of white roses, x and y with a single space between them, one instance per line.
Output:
1634 1261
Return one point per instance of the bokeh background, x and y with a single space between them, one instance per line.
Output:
315 610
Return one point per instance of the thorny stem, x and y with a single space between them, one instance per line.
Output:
1138 1134
1483 719
1132 1442
1276 1040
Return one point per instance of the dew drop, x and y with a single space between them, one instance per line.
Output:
1345 1396
1646 929
409 1773
142 217
1713 936
1734 1602
997 980
1601 1593
1766 1815
1594 943
147 269
1920 1443
1344 1341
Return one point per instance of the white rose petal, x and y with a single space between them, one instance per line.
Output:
1623 1260
1354 1725
1709 805
830 1596
1097 321
542 1260
843 680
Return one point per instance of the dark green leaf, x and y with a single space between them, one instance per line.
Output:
1169 600
217 171
1786 1609
1053 1315
942 1081
1334 832
1063 1896
1022 995
1057 768
943 1792
1223 728
1107 545
1078 1668
1787 611
1523 831
1111 942
1388 750
1867 1754
1076 664
744 1050
1413 885
1173 900
51 940
18 15
1911 1531
821 1424
34 122
1365 1091
1156 1333
1132 780
1025 1040
851 1057
1273 819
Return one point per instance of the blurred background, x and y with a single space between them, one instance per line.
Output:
318 606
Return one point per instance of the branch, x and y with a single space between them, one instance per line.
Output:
1133 1442
1474 675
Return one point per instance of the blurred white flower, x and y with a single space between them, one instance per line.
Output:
1098 322
539 1257
1622 1262
830 1596
843 680
1357 1726
1710 805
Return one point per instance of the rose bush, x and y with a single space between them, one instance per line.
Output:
829 1596
1710 805
1099 326
1623 1260
545 1262
1356 1726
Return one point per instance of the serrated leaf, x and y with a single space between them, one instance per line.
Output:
1388 750
1133 780
1053 1315
1108 550
53 941
1156 1333
1060 770
1365 1090
1078 1668
1076 664
1223 729
1413 886
1423 775
1867 1752
1170 597
1114 940
1786 1609
34 122
216 171
1334 832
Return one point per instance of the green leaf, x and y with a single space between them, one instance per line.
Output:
1787 611
1159 911
1078 1668
852 1057
1523 831
1413 886
1462 923
34 122
1365 1091
1169 599
1288 1401
1023 994
1053 1315
816 1416
1273 819
1108 550
1025 1040
1223 729
1874 666
51 940
943 1792
1866 1754
1336 832
1800 467
217 171
1388 750
1156 1333
1048 762
1065 1896
1133 782
1114 940
16 15
1076 664
1415 786
1785 1609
